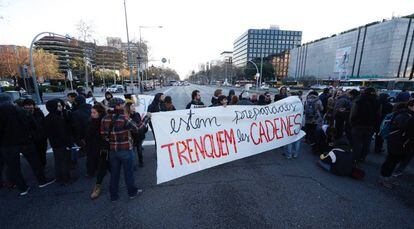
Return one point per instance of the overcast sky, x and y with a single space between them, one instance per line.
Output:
195 31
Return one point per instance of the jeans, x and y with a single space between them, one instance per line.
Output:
361 141
293 149
11 157
124 159
62 164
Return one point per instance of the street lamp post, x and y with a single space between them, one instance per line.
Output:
257 74
36 87
129 50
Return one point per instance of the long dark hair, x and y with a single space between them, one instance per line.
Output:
100 109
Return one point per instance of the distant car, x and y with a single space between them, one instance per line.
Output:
287 88
5 84
115 89
226 84
186 83
264 87
237 85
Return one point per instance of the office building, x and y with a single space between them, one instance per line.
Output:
255 43
381 49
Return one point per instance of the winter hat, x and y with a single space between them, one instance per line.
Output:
79 100
115 101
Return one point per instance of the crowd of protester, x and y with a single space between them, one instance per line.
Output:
339 126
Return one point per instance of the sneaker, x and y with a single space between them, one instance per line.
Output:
295 156
386 183
135 194
46 183
96 192
25 192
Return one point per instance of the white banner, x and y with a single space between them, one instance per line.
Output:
192 140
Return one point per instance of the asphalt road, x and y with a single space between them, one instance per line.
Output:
262 191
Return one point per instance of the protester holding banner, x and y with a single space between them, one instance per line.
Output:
169 106
138 138
195 99
157 104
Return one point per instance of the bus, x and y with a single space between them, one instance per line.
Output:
379 84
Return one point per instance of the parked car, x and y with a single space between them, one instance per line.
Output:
115 89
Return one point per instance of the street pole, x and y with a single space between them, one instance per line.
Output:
261 66
129 51
36 87
86 74
257 74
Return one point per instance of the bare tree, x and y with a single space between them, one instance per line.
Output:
85 31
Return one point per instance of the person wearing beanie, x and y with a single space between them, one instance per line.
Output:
116 129
108 97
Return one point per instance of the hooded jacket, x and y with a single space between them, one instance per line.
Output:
14 126
156 105
80 118
56 126
365 112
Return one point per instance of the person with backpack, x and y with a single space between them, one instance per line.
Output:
400 142
341 112
313 115
364 117
385 109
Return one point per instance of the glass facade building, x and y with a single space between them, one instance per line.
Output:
256 43
377 50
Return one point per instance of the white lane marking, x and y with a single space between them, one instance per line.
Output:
145 143
166 91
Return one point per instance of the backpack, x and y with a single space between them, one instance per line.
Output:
397 127
310 110
386 126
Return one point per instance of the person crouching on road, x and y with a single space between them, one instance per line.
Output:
116 128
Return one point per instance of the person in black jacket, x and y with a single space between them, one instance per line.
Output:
364 117
80 119
385 108
11 140
40 138
97 157
157 104
195 99
400 143
324 99
93 139
57 131
139 137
